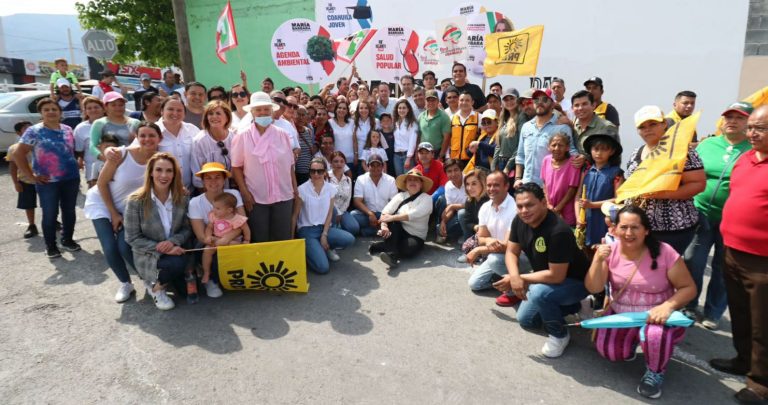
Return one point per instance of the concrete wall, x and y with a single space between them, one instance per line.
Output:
255 22
754 70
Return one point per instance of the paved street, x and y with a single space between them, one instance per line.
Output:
416 335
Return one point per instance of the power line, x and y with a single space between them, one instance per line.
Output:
35 39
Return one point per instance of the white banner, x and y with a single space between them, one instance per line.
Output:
302 50
393 53
338 16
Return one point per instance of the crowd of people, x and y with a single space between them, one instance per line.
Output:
523 184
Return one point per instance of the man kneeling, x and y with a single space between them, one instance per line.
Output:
556 285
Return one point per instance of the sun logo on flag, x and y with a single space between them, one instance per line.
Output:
660 149
273 278
513 48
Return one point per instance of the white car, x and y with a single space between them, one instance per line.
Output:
15 107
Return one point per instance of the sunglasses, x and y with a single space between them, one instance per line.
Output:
316 171
224 151
279 100
240 94
542 100
291 105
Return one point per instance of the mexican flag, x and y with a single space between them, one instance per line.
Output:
226 38
348 48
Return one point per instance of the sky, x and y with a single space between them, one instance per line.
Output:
8 7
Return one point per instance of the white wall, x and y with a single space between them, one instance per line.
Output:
645 51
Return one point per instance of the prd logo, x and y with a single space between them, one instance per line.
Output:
431 46
279 44
330 8
513 49
451 34
381 45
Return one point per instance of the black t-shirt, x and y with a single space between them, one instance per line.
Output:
138 94
612 115
478 98
551 242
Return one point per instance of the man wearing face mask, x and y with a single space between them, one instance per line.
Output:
263 177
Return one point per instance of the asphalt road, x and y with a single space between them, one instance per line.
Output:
416 335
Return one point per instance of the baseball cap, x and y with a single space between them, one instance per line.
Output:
488 114
107 73
374 157
528 93
112 96
431 94
510 91
648 113
594 79
145 76
63 82
742 107
541 92
425 145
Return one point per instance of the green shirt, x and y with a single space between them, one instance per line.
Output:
596 126
433 129
718 157
70 76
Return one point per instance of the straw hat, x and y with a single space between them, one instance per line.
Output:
213 167
426 182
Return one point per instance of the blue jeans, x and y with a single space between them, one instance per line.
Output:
467 232
171 271
317 260
707 235
400 159
116 251
363 224
547 304
453 226
482 275
52 196
347 223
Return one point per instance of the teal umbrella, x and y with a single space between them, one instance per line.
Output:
631 320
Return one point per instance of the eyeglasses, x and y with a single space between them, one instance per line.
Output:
224 150
240 94
316 171
758 129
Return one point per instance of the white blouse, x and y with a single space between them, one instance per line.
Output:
405 137
343 191
344 139
314 206
418 212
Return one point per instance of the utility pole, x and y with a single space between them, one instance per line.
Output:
71 48
182 36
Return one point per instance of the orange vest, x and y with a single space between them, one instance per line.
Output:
463 135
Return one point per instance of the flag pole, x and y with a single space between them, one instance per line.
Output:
240 58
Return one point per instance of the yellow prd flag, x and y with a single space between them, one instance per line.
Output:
663 168
513 53
757 99
268 266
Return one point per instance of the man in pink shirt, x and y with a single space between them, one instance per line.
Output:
262 164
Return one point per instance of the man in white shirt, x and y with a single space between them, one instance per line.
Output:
373 191
494 220
384 104
558 91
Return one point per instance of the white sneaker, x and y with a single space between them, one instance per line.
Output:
163 301
554 346
212 289
332 255
148 288
125 291
710 324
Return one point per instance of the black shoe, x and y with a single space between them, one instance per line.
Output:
390 259
31 232
749 396
52 252
70 245
728 366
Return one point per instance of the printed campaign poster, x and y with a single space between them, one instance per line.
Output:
343 17
393 53
452 39
429 51
478 26
466 9
303 51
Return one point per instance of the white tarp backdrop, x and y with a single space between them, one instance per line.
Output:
645 52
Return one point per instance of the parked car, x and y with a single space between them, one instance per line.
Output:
14 107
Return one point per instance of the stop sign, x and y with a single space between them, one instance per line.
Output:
99 44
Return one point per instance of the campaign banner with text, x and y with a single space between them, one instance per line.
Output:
343 17
393 53
303 51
